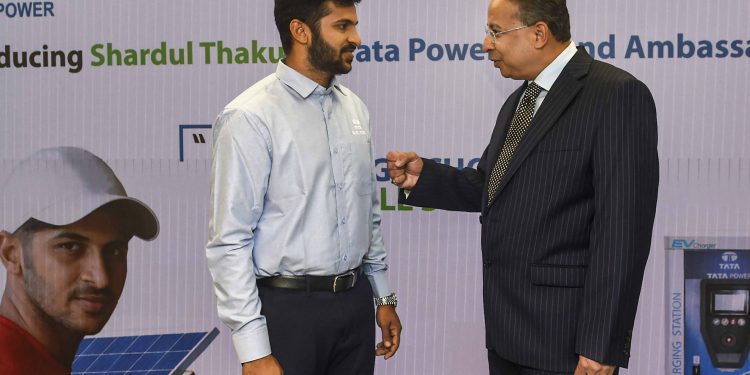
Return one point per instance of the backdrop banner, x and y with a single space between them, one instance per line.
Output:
139 83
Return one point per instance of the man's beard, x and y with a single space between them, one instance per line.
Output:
41 300
326 59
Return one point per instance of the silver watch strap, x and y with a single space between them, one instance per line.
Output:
387 300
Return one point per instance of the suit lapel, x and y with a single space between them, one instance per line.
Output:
559 97
498 135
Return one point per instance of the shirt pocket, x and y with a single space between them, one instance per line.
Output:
358 165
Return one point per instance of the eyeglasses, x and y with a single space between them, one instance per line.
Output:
495 34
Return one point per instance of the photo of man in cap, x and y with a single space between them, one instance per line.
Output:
66 224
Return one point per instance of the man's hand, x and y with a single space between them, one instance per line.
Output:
404 168
391 326
267 365
590 367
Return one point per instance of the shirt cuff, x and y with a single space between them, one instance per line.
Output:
379 283
251 345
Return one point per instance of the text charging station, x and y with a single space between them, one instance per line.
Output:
708 282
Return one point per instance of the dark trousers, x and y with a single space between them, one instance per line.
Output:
500 366
321 333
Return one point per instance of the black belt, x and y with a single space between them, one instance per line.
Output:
335 284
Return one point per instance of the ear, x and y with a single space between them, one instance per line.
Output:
10 253
542 34
300 32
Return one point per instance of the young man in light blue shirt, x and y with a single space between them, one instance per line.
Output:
295 247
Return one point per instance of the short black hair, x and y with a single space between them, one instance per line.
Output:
25 233
552 12
308 11
27 230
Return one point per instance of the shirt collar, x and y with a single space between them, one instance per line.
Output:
549 75
302 85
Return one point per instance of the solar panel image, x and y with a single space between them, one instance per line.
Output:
141 355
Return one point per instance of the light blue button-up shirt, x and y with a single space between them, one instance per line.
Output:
292 193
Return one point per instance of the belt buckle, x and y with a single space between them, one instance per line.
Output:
344 275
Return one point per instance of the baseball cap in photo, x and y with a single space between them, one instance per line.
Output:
62 185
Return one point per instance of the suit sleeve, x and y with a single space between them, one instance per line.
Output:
625 177
448 188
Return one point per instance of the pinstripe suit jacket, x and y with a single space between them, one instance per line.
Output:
566 239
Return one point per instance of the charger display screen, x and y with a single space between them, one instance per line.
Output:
730 302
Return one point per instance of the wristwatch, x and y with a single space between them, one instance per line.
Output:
387 300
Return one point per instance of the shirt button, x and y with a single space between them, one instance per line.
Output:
345 258
343 221
335 150
341 186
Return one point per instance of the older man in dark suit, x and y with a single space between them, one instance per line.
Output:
567 192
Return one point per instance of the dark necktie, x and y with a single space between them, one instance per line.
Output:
518 126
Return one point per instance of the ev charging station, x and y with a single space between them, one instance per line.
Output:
708 281
725 321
